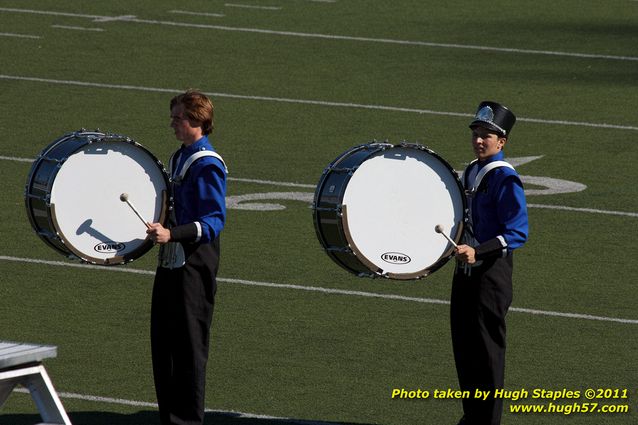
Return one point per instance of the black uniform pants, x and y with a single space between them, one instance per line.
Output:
479 303
181 317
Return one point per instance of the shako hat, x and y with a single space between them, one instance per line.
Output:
495 117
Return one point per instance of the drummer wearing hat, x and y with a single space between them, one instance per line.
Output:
482 284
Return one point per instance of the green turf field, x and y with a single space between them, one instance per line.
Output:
296 339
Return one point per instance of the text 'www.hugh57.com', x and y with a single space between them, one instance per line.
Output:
536 400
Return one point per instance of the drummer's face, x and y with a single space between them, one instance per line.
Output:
184 130
486 143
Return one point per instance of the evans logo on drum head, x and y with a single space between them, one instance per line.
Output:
395 258
109 247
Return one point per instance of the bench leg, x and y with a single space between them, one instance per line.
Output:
37 381
5 390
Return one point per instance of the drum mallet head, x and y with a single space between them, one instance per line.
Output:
440 229
124 198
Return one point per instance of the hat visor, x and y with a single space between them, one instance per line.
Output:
489 126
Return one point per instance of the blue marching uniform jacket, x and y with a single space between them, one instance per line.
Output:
200 197
498 209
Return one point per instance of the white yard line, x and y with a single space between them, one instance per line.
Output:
69 27
332 291
121 18
133 19
584 210
186 12
12 158
138 403
10 34
305 101
251 6
272 183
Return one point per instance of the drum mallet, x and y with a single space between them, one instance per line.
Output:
440 229
124 198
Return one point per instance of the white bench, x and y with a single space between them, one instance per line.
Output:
21 364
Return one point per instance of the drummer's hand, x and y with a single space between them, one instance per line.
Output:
158 233
466 254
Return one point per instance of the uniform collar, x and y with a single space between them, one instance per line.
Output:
200 145
498 157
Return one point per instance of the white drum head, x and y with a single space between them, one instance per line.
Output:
85 199
391 206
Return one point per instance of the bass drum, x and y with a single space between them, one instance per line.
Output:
377 205
73 193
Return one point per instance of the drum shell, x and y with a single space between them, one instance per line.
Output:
39 185
329 226
328 200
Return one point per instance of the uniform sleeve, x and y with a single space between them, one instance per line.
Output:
209 205
512 216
